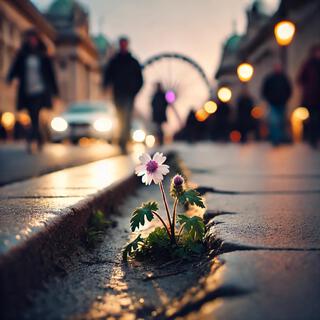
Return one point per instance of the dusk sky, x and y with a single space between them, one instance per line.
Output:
196 28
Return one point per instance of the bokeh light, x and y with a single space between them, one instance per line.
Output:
235 136
224 94
301 113
245 72
284 32
170 96
201 115
59 124
210 107
102 125
8 120
257 112
24 119
150 140
138 135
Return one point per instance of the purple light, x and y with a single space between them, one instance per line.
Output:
170 96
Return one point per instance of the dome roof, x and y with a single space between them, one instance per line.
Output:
101 42
61 8
232 44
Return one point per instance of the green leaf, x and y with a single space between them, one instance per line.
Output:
158 238
140 213
192 197
194 226
131 247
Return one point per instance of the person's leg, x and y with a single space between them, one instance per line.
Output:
273 125
124 110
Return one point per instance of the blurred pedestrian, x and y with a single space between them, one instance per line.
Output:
3 131
309 80
244 119
37 84
123 74
276 90
159 106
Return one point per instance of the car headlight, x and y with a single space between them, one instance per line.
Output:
59 124
102 125
138 135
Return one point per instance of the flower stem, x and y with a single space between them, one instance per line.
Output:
174 215
164 224
181 228
165 201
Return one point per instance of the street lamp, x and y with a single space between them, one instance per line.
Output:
284 32
245 72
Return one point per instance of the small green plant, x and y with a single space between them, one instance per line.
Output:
179 235
96 228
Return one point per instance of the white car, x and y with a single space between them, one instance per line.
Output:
85 119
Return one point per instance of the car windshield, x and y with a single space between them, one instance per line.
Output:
88 108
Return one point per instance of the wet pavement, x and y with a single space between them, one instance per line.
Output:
269 225
17 164
264 219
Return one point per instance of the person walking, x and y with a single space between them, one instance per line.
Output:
37 83
123 74
159 110
309 80
276 90
244 119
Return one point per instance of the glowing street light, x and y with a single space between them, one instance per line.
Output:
245 72
284 32
210 107
301 113
224 94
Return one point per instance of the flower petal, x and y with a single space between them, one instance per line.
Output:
144 158
144 179
157 177
163 169
148 179
140 169
159 158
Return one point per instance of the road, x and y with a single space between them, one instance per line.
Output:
17 164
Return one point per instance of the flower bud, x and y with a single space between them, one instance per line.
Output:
177 186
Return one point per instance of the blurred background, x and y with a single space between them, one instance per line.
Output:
212 58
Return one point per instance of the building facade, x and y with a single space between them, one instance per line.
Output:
65 30
258 46
16 16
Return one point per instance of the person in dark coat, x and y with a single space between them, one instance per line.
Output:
37 84
123 73
276 90
159 110
309 80
244 119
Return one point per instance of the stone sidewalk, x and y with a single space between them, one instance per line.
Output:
42 220
266 214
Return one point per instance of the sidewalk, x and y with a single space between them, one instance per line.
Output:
269 229
43 218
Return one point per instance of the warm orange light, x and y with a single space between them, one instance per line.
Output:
235 136
224 94
8 120
301 113
284 32
201 115
257 112
210 107
245 72
24 119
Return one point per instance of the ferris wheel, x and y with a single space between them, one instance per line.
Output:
186 85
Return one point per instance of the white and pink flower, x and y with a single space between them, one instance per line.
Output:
152 169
